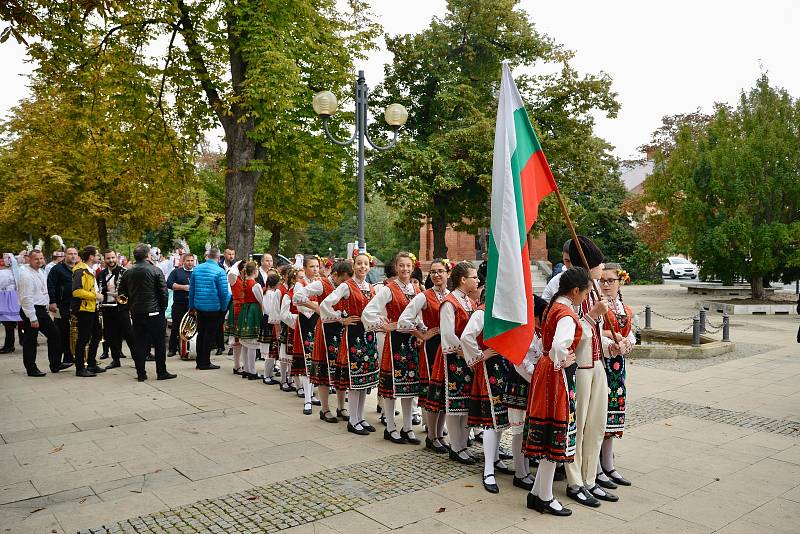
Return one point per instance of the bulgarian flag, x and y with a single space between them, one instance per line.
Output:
521 178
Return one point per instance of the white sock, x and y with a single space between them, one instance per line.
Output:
251 360
284 371
269 365
308 389
408 413
237 356
607 454
441 418
490 446
520 462
298 383
388 412
357 400
545 486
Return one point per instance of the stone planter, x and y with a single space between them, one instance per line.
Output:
661 344
775 308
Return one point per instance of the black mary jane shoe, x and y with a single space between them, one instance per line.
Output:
301 392
543 507
478 437
237 371
254 376
505 455
416 420
605 484
307 409
382 420
389 436
354 430
328 417
244 374
409 439
343 414
582 496
315 401
523 483
603 495
617 478
366 426
491 488
503 469
456 455
438 449
269 381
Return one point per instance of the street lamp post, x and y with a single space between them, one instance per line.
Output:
324 104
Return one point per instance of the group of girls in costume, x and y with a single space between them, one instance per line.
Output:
564 403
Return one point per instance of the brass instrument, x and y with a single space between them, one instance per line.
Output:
73 334
188 326
121 299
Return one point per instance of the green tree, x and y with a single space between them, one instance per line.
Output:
731 190
246 65
447 76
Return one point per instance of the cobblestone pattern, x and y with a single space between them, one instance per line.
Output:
316 496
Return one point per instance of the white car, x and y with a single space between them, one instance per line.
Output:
677 267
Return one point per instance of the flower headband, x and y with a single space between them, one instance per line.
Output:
372 261
415 261
623 276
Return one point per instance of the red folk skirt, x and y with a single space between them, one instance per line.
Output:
550 424
486 408
399 375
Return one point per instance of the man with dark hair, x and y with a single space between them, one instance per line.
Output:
116 318
229 259
178 282
59 290
32 290
144 286
209 295
85 295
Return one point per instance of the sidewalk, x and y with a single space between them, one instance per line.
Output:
709 449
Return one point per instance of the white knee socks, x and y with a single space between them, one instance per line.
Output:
607 455
237 356
357 400
388 412
491 444
308 389
543 485
408 412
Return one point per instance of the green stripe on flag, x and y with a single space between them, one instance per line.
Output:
527 146
493 326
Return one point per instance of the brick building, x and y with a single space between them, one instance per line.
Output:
466 246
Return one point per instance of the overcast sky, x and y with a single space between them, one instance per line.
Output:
664 58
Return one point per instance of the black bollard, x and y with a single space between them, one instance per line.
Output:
648 318
702 320
696 331
726 327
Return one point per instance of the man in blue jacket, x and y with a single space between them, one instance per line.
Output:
209 296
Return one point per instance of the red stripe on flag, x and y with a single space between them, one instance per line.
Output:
537 182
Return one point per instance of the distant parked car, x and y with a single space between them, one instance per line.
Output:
677 267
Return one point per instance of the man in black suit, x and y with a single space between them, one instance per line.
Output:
59 289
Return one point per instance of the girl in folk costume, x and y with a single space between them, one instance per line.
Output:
389 274
591 387
357 361
307 318
248 322
327 336
268 337
399 371
421 317
486 409
236 281
612 279
515 398
287 322
550 426
451 378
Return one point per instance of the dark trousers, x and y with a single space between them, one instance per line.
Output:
63 329
178 311
219 339
88 340
208 326
117 328
46 327
9 326
149 330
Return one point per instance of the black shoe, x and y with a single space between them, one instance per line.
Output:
379 409
382 420
438 449
366 426
104 356
287 387
7 350
315 401
328 417
603 495
617 478
342 415
84 373
503 469
491 488
113 365
301 392
258 355
230 351
505 455
389 436
172 353
543 507
478 437
523 483
150 358
354 430
208 367
253 376
416 420
166 376
268 380
606 484
36 373
582 496
307 408
456 455
61 367
560 474
96 370
141 378
218 353
409 439
244 374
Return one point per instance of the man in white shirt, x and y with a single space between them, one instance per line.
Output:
58 257
33 298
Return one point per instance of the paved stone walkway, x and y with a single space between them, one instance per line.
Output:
714 448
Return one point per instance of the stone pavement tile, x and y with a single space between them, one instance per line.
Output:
97 436
141 466
496 512
645 458
761 443
203 468
63 501
717 433
41 522
399 511
655 521
684 422
715 464
76 479
42 466
31 448
312 528
778 515
760 482
429 525
633 502
469 490
274 472
17 492
93 515
583 519
793 494
791 454
671 482
710 509
190 492
26 435
15 424
104 422
352 522
110 491
349 456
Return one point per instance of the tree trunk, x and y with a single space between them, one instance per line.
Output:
439 226
757 288
240 191
274 239
102 234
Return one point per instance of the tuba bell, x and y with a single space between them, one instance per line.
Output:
188 326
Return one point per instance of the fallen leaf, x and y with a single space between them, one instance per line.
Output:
57 449
668 424
37 510
440 510
82 501
253 497
469 485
